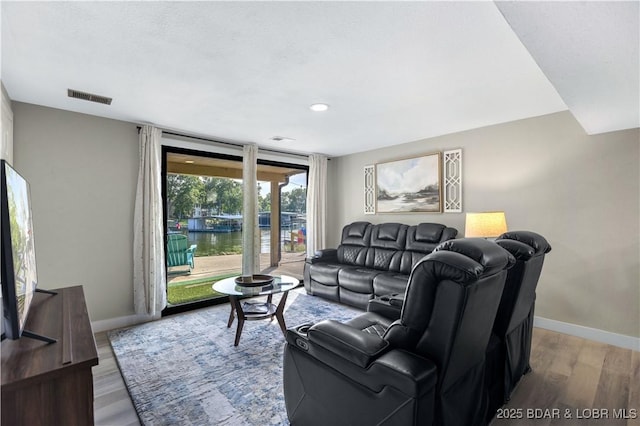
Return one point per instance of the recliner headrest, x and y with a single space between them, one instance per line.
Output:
356 234
451 265
388 231
429 232
356 229
491 257
524 244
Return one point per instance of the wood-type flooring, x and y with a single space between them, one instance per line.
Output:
574 382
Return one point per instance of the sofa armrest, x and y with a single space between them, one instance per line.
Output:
353 345
325 255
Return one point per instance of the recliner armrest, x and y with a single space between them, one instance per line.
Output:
356 346
325 255
402 370
407 371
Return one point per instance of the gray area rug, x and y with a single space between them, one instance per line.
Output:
184 369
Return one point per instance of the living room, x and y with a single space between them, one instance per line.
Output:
544 168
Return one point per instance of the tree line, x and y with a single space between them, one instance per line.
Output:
221 196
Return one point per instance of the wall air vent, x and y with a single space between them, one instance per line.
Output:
89 97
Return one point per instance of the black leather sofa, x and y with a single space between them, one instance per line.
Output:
426 368
371 260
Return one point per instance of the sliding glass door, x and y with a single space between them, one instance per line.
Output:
203 213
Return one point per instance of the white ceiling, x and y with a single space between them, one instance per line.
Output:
392 72
589 52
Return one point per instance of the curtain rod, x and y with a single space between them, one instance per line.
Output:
237 145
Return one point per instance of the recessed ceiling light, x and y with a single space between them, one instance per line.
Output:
189 161
319 107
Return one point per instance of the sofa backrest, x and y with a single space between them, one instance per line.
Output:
422 239
393 247
354 244
386 247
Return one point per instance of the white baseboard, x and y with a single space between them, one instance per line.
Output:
119 322
621 340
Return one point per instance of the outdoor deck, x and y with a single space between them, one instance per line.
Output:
292 264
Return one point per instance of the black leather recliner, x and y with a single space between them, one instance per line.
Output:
425 368
509 348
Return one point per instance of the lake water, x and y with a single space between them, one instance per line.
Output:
210 244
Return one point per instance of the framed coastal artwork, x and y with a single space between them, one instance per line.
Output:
409 185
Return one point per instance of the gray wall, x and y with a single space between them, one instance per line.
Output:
581 192
82 171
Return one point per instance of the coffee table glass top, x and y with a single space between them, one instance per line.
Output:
280 284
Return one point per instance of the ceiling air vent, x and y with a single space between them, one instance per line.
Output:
282 139
89 97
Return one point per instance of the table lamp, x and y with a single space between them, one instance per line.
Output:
485 224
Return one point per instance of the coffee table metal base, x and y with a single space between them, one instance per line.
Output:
256 311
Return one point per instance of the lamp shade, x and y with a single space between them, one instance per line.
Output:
485 224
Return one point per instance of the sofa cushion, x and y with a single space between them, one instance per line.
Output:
325 273
384 259
352 255
409 259
388 283
355 240
330 292
421 240
387 242
354 298
359 280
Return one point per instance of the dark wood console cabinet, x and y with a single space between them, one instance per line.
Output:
51 384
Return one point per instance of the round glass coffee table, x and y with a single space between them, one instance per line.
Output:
249 310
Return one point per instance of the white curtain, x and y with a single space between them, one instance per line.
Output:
250 231
149 281
316 204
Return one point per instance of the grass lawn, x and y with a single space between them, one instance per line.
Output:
198 289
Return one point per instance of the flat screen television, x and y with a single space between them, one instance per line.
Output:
19 275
